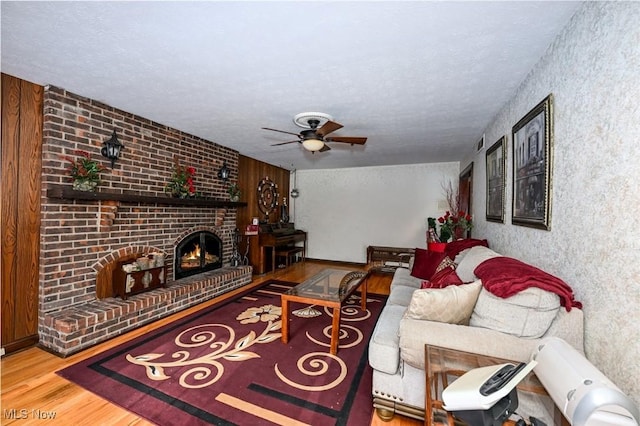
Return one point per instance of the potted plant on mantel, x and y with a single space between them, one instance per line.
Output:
84 171
181 184
234 192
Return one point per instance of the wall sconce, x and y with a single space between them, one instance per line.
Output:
224 172
112 148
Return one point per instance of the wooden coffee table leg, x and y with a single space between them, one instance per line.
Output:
335 330
363 293
285 318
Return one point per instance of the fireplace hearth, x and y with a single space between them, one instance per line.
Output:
196 253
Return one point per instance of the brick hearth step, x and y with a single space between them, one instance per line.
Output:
70 330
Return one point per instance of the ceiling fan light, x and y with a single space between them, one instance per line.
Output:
312 144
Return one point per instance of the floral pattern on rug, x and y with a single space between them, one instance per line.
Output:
225 364
206 369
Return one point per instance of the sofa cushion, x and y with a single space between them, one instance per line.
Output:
384 351
402 277
425 263
401 295
527 314
453 304
475 256
460 256
414 334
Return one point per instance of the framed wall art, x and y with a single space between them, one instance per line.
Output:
480 144
495 164
532 163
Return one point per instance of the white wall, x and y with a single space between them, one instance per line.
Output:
593 71
346 210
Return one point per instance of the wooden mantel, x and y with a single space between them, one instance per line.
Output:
66 192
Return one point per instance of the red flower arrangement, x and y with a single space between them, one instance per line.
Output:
454 225
181 183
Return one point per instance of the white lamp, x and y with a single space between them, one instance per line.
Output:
312 144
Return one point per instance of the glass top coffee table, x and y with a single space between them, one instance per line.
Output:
330 288
444 365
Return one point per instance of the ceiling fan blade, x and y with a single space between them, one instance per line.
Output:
325 148
284 143
328 127
281 131
347 139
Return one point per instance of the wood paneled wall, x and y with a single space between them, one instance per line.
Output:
21 178
250 173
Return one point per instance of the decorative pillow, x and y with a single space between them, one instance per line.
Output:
455 247
527 314
452 305
442 279
471 260
446 263
425 263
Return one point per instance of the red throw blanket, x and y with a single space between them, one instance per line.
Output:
504 277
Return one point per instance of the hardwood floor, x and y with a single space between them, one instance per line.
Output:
31 388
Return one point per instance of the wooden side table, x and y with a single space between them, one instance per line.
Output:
443 365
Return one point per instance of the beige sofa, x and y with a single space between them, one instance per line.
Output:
508 328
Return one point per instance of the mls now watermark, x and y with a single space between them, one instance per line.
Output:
24 414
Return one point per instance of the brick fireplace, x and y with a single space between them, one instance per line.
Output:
196 253
82 237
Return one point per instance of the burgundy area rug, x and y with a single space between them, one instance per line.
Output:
226 365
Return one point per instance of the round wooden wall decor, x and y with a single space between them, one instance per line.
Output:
267 196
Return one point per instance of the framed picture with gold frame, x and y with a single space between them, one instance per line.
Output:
495 164
532 165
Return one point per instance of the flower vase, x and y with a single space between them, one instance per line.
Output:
85 185
436 247
179 194
458 234
234 198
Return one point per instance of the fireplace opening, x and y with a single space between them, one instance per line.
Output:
196 253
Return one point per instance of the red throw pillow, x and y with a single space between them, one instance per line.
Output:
425 263
454 247
445 278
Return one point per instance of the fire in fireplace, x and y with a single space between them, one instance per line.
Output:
196 253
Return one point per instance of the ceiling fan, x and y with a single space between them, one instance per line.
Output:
318 125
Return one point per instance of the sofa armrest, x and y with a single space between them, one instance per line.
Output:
384 352
569 326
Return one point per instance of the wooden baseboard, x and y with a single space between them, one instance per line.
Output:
18 345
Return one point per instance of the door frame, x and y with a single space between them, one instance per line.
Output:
465 190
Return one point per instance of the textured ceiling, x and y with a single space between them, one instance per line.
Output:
420 79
